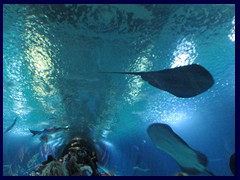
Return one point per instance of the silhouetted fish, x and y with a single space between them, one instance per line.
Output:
186 81
11 126
189 160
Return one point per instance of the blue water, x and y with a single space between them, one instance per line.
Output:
52 56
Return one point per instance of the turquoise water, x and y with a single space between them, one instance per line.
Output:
52 56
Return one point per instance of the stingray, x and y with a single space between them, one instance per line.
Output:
189 160
186 81
11 126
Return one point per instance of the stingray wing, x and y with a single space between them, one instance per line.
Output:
186 81
188 159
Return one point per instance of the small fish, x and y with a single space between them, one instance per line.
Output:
48 131
11 126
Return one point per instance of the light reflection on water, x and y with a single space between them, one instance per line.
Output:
184 54
232 32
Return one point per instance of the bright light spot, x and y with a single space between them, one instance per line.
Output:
39 54
21 108
135 83
232 33
105 133
19 131
55 142
184 54
170 111
175 117
107 143
170 117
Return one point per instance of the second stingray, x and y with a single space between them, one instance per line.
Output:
189 160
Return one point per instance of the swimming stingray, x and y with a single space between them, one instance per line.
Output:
189 160
186 81
11 126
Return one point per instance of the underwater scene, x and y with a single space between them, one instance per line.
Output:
118 90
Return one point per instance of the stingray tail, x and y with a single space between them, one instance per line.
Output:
132 73
209 172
